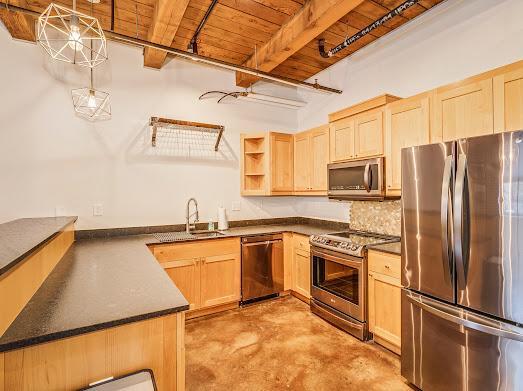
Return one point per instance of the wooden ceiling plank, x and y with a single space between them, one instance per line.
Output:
253 8
20 26
166 20
288 7
314 17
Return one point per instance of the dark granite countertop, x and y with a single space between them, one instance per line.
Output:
391 248
113 280
98 284
18 238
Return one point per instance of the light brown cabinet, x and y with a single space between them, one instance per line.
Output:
384 298
342 140
301 266
282 163
311 156
407 123
368 135
267 164
206 272
463 110
508 99
357 131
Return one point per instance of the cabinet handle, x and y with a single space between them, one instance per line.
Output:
387 267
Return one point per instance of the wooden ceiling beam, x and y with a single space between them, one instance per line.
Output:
19 25
166 19
311 20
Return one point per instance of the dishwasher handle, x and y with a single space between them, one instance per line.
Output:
261 238
261 243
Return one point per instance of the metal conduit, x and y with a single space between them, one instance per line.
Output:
360 34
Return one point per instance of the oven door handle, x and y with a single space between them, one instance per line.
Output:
367 178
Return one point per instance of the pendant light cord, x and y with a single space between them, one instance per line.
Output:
91 46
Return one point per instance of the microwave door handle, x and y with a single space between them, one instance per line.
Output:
446 209
366 179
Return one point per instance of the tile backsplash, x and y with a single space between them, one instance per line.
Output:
381 217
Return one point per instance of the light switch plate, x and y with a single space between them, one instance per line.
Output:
236 206
98 210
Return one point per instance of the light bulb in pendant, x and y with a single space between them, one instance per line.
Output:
91 101
75 38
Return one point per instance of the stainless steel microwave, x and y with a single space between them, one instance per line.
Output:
357 180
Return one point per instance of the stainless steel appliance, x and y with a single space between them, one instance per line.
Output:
357 180
262 267
339 278
462 263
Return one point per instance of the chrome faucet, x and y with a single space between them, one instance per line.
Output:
188 216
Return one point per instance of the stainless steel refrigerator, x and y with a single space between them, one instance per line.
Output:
462 264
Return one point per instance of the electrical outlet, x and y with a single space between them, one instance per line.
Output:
236 206
98 210
59 211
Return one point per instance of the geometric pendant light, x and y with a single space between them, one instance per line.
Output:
70 36
91 104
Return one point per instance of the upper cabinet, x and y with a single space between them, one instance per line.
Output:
311 156
463 110
508 99
357 131
267 161
407 123
282 163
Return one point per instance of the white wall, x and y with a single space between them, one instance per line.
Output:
457 39
49 158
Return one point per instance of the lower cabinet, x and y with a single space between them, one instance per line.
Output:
384 297
206 272
301 266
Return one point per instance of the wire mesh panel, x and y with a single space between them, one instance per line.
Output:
182 138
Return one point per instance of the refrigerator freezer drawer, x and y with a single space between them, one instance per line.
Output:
448 348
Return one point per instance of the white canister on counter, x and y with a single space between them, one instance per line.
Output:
222 218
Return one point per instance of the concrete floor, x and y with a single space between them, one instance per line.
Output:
281 345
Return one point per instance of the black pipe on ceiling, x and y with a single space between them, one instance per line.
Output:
112 14
193 45
360 34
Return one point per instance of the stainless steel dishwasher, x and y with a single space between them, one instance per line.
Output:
262 267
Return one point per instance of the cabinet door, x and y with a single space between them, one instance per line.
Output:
302 161
508 101
407 123
385 310
185 274
301 273
342 140
368 129
282 163
220 279
319 158
463 111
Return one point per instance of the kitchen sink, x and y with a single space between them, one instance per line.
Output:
169 237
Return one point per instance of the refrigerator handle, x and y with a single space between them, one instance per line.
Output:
460 239
446 209
484 327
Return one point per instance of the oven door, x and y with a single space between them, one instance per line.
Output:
362 179
339 282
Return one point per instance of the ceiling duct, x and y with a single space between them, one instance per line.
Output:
360 34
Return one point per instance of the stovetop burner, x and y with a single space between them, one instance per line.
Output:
350 242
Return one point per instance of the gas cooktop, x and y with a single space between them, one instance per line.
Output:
350 242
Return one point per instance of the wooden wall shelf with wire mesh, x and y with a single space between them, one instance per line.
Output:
187 132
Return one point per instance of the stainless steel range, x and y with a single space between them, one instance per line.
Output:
339 278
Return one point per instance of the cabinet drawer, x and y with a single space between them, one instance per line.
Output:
195 249
387 264
301 242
